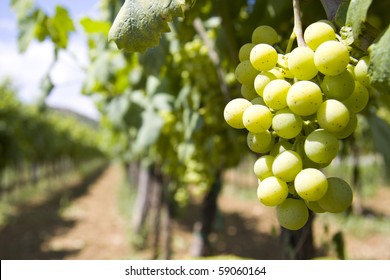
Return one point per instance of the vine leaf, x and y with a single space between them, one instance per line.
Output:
356 15
379 70
139 23
380 130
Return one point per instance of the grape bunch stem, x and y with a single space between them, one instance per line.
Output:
298 24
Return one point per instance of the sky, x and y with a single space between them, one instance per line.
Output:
27 69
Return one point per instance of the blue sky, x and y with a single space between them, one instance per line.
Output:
27 69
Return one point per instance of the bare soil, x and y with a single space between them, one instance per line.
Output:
80 222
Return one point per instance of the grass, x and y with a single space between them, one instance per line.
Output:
358 225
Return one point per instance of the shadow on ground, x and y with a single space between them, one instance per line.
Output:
239 236
236 235
25 233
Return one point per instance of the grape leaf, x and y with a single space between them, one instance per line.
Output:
356 15
139 23
59 26
380 130
150 130
95 26
379 70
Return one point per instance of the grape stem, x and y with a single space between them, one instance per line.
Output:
291 42
298 24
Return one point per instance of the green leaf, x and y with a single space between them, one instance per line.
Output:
41 32
379 68
59 26
22 7
149 132
27 27
380 130
356 15
139 23
341 14
98 74
95 26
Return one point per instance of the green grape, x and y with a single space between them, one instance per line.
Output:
308 163
333 115
351 69
265 34
338 196
301 63
245 73
361 71
263 57
321 146
263 167
244 52
282 63
338 87
257 118
280 147
234 110
277 72
349 129
287 165
317 33
272 191
304 98
311 184
248 92
275 93
286 124
292 214
258 101
358 100
262 80
314 206
331 58
261 142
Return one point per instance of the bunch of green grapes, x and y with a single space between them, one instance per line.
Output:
297 106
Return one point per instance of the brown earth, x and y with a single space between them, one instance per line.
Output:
80 222
87 225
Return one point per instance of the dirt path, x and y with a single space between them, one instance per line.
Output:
79 221
98 231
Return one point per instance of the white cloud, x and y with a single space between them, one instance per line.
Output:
68 97
26 69
29 68
8 25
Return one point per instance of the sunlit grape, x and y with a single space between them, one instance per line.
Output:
301 63
311 184
287 165
263 57
304 98
331 58
321 146
317 33
272 191
234 110
257 118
